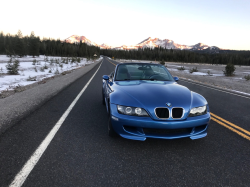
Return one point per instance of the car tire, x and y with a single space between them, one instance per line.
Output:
111 131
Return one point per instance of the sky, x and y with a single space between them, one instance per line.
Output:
221 23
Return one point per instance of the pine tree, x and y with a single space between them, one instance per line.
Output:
1 43
19 44
229 69
34 45
12 66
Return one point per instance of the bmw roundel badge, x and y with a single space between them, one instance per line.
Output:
168 104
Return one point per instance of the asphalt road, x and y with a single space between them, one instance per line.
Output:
82 153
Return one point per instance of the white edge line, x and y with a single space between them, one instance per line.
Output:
215 88
30 164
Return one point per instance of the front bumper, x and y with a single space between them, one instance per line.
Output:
140 128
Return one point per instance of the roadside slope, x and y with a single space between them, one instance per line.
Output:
17 106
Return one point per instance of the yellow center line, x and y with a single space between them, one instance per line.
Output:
229 123
111 62
225 125
230 128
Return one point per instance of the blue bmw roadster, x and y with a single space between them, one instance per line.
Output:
143 100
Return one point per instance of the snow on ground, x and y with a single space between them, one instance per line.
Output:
28 70
199 73
215 70
5 58
213 75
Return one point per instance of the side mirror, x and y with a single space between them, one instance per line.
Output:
105 77
176 79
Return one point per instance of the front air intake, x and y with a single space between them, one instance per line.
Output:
162 113
177 113
149 131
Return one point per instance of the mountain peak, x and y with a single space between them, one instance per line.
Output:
149 38
147 43
78 39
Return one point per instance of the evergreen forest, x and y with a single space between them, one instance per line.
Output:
176 55
19 45
32 45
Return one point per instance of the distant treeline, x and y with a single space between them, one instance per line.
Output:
170 55
20 45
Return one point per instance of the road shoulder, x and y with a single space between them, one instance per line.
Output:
18 106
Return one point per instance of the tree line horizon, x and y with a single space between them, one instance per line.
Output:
177 55
19 45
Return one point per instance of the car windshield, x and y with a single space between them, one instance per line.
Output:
142 72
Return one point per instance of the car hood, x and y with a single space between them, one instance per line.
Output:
152 94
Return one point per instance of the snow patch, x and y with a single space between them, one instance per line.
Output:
27 70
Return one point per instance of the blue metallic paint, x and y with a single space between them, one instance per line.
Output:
105 77
176 79
149 95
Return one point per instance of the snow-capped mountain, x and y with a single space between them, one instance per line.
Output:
205 48
169 44
165 43
77 39
199 46
125 47
156 42
105 46
147 43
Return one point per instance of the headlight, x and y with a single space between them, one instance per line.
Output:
198 111
132 111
